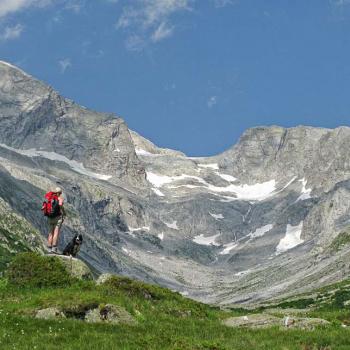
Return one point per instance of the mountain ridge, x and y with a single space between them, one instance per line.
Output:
238 227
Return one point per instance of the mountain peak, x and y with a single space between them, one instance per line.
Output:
12 67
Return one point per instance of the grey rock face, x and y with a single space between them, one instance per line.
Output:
49 313
256 222
34 116
109 313
76 268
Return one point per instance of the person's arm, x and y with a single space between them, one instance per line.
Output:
63 211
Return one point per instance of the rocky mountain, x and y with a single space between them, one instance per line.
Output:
268 218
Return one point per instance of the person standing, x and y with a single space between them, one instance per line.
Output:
56 218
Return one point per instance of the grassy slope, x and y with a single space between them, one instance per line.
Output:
165 321
16 235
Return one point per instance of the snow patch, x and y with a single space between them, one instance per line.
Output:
125 250
200 239
161 236
172 225
16 68
242 273
217 216
142 152
144 228
291 239
158 192
255 192
259 232
76 166
214 166
305 193
226 177
228 248
161 180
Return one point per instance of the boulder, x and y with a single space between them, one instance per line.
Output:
76 267
49 313
265 320
253 321
104 278
109 313
303 322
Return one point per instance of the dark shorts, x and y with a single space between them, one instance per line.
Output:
55 222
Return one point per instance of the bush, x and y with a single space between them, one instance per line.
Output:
34 270
136 288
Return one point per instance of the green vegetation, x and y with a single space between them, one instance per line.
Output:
34 270
16 235
164 319
340 241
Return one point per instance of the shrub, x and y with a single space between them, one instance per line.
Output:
136 288
340 241
34 270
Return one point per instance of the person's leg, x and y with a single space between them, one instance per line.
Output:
56 234
51 234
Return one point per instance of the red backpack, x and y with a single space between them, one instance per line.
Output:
51 206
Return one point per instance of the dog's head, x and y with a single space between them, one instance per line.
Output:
78 239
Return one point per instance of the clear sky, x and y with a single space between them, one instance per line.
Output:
190 75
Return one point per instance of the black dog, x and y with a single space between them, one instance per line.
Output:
73 246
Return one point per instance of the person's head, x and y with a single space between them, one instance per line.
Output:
58 190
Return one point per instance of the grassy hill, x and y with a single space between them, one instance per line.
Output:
16 235
163 319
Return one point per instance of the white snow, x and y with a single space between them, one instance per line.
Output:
76 166
125 250
258 192
248 192
144 228
206 240
184 293
242 273
161 236
214 166
259 232
142 152
217 216
226 177
160 180
305 193
228 248
14 67
172 225
158 192
291 239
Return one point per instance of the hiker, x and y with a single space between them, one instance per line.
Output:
54 210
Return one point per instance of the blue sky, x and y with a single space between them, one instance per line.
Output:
189 74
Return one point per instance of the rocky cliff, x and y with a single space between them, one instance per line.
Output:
256 222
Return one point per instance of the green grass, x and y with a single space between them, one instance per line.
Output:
16 235
340 241
165 320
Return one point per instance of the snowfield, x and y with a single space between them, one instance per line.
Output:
228 248
172 225
291 239
259 232
200 239
76 166
257 192
305 193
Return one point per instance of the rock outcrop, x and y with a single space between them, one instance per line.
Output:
75 267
